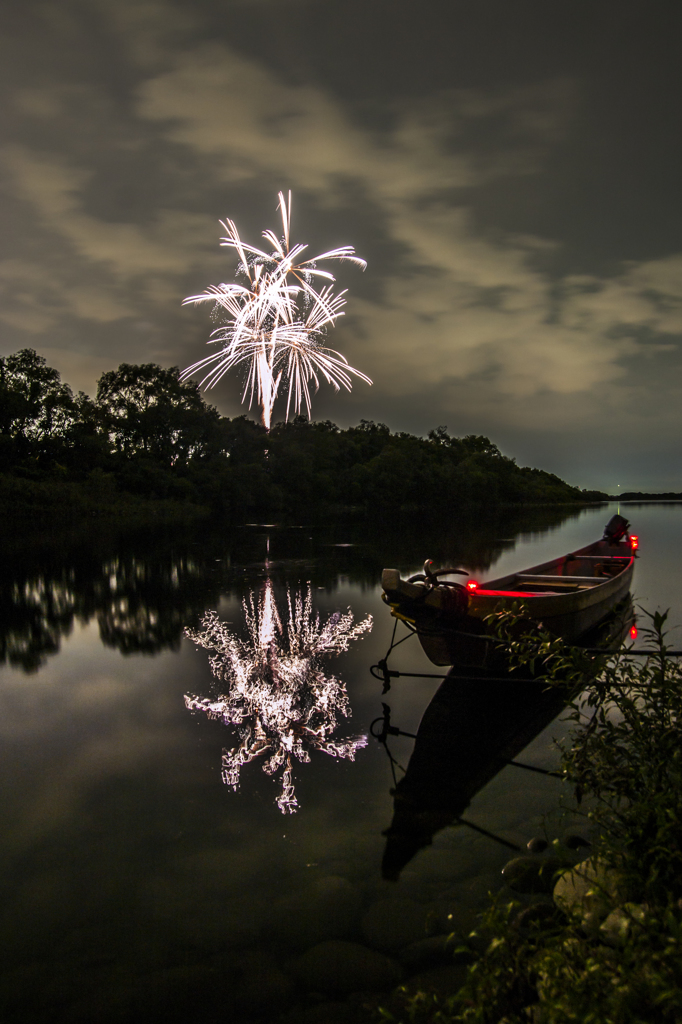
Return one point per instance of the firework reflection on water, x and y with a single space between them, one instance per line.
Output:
273 690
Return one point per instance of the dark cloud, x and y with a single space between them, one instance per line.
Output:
510 171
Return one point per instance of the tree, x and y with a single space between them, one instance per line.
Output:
149 412
37 411
478 444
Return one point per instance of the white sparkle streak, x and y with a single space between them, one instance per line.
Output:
276 322
276 695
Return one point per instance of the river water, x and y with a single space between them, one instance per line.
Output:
136 883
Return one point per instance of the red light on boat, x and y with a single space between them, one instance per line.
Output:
633 631
472 586
634 541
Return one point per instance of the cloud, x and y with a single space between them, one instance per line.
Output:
126 250
446 309
459 305
647 295
149 30
222 104
421 339
38 102
84 268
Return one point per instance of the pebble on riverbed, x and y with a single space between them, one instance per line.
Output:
537 845
532 874
574 841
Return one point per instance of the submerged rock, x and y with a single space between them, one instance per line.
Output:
396 922
454 917
473 892
261 986
537 845
532 874
442 981
588 891
157 997
337 968
574 841
328 908
435 951
214 925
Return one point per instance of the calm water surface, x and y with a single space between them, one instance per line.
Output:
136 884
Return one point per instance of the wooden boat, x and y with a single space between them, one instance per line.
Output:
569 596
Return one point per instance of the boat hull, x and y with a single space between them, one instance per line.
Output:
557 595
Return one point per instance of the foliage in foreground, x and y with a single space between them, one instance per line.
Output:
624 760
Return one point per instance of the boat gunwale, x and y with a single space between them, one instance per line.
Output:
549 603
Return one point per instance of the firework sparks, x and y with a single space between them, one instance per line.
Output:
277 696
275 322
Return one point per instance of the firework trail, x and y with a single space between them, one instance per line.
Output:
277 695
276 321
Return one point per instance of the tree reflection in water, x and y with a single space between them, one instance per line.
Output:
141 592
277 695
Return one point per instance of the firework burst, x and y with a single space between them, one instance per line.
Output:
277 696
275 322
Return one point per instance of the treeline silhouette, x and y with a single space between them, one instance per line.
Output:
150 439
647 496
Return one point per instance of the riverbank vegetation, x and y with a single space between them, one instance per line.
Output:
605 943
148 445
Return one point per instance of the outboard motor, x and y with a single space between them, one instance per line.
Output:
615 529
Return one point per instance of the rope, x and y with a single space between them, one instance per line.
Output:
532 768
389 730
490 835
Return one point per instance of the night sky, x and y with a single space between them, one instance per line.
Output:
510 170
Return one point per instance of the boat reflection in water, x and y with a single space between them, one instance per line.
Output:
474 726
469 732
271 686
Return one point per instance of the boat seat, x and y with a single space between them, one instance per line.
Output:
562 581
518 594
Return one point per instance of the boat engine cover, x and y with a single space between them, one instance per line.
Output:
616 528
